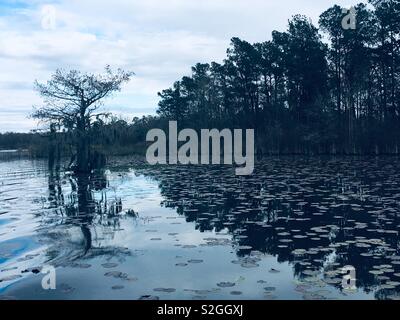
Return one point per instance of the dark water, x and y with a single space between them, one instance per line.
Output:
182 232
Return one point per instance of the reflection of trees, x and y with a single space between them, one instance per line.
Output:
318 220
82 214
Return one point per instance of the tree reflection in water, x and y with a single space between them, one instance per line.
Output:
88 217
319 215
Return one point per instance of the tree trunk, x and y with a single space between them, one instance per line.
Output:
82 148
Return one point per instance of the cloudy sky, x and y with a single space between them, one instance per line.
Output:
157 39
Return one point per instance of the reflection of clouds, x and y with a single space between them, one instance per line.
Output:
194 238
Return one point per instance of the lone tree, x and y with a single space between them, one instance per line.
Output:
72 100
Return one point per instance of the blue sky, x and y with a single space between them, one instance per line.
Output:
159 40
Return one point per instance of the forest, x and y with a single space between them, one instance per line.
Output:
308 90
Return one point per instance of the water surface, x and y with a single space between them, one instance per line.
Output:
134 231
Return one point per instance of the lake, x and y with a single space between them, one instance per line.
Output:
135 231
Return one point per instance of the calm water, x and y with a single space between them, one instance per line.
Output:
135 231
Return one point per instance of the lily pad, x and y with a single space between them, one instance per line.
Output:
225 284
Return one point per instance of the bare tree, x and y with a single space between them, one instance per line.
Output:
72 100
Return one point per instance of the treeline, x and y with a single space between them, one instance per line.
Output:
308 90
115 136
20 141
